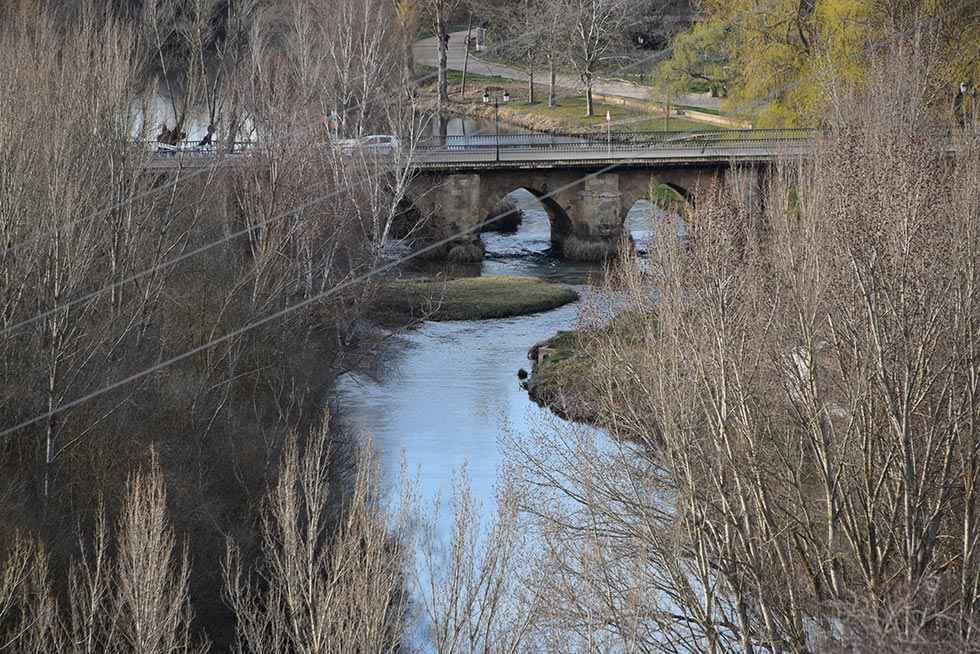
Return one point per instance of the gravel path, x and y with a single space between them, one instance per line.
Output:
426 53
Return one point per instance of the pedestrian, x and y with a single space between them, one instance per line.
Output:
959 112
207 140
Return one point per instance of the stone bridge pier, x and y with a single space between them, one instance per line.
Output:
586 207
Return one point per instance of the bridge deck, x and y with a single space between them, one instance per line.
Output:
550 151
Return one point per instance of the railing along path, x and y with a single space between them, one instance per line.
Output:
539 148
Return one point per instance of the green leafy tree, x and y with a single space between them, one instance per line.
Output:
702 57
776 58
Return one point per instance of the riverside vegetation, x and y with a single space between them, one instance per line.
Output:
154 385
799 406
800 387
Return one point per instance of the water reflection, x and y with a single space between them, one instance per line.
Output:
451 391
533 235
449 395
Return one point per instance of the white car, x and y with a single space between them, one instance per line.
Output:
380 144
376 144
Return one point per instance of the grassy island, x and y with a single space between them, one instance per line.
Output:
472 298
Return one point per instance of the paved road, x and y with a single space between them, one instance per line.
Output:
546 151
426 52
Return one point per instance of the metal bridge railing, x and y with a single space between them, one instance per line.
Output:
537 142
621 141
194 149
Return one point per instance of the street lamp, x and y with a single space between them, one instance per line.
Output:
496 114
609 131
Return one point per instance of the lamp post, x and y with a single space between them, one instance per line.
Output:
609 132
496 115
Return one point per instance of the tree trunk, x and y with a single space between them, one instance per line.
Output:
530 86
408 44
588 96
442 32
444 128
466 56
551 82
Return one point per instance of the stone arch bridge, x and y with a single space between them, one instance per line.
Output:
586 183
587 188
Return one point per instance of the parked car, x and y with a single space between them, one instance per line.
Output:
376 144
381 144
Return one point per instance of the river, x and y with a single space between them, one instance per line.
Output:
449 390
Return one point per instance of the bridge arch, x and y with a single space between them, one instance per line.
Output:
660 210
682 195
508 213
407 218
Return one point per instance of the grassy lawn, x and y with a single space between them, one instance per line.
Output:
568 115
472 298
455 77
703 110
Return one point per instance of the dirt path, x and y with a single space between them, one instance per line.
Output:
426 53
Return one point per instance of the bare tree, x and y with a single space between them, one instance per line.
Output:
138 602
61 240
525 29
438 13
331 565
23 575
476 585
595 31
795 399
153 602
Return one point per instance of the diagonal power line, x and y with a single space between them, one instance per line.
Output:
296 135
196 251
204 248
283 312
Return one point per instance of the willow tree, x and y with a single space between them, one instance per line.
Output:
777 55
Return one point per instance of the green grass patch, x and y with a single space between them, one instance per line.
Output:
665 197
455 77
560 380
472 298
568 115
702 110
563 376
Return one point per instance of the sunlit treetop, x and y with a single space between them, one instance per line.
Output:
774 59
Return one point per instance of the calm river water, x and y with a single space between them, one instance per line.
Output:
450 389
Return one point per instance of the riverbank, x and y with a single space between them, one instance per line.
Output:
560 379
565 377
471 298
